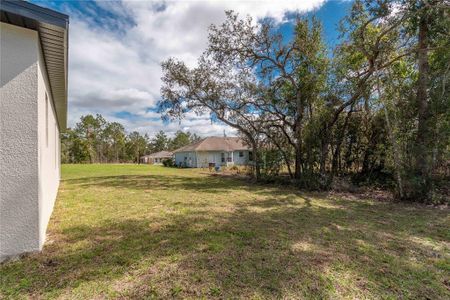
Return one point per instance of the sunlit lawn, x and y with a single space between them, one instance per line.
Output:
127 231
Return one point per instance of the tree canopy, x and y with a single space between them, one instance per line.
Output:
375 107
95 140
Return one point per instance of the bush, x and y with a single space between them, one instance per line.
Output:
271 164
377 178
314 182
168 163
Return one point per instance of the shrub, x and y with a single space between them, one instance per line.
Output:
168 163
271 163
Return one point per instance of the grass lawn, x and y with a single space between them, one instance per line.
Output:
128 231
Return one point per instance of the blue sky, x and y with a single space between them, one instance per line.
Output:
116 47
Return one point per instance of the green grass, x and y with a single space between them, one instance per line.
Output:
127 231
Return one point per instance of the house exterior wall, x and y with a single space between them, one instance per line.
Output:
29 166
19 164
190 162
49 150
160 160
202 159
240 160
207 157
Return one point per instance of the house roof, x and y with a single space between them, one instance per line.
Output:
215 143
160 154
53 28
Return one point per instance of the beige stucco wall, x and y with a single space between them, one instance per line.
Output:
29 176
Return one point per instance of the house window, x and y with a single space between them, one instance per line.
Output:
46 119
250 156
241 153
223 157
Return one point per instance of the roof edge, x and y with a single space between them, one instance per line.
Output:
53 28
193 147
35 12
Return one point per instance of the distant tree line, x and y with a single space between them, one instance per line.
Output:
376 106
95 140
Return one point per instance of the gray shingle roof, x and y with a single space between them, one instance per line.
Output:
215 143
160 154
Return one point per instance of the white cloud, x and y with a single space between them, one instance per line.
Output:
114 63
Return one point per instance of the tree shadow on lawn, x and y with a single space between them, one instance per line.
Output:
208 184
284 246
203 182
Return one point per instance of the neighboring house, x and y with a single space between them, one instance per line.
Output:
220 151
33 112
156 158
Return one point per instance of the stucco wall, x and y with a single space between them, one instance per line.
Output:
19 187
29 148
48 150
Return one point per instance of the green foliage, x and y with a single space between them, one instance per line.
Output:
168 163
160 142
115 138
376 110
271 164
95 140
136 145
73 148
182 139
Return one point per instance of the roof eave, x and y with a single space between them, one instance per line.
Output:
52 27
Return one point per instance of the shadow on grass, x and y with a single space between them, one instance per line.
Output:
271 248
208 184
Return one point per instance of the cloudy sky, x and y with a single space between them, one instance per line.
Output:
116 48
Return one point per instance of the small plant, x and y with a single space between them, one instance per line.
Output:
214 291
176 290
